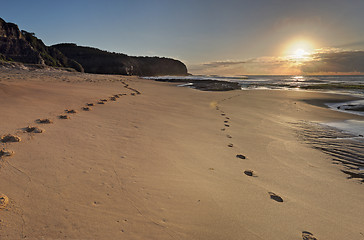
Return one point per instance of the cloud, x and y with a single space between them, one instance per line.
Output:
335 62
324 61
222 63
261 65
352 44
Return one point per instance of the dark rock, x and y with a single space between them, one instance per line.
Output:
206 85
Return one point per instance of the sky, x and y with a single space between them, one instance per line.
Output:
225 37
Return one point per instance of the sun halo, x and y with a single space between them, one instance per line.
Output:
299 50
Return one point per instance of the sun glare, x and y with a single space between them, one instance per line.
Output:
300 53
299 50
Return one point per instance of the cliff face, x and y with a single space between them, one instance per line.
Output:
97 61
13 45
94 60
156 66
24 47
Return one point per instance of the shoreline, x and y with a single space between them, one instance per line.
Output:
353 105
168 163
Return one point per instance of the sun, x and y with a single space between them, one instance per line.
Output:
299 50
300 53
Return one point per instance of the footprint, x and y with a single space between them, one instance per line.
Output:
100 102
211 169
226 125
250 173
226 121
133 94
116 96
6 153
44 121
70 111
240 156
223 114
30 129
308 236
86 109
230 145
90 104
113 99
275 197
4 201
228 136
63 117
103 100
227 118
222 129
10 138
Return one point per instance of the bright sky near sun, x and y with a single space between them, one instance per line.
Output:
223 37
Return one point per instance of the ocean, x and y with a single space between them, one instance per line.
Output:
353 84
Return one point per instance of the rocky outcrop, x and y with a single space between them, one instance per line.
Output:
205 85
24 47
95 60
156 66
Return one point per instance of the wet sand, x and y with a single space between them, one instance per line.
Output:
156 161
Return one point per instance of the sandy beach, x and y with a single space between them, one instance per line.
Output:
168 163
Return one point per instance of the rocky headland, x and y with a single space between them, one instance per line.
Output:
102 62
24 47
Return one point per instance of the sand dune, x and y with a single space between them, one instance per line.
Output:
152 162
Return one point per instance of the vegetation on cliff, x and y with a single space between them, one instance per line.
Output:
51 56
